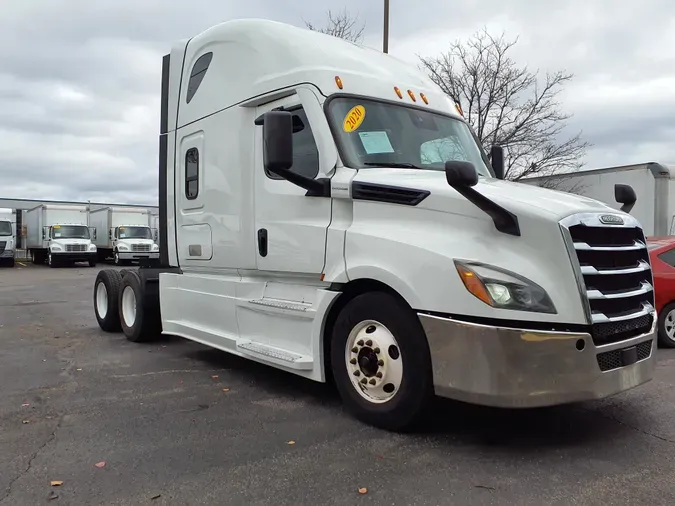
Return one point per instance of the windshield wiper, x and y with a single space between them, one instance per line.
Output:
393 165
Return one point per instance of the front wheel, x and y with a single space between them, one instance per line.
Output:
381 362
666 326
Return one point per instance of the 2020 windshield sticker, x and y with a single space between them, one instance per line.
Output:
354 118
376 142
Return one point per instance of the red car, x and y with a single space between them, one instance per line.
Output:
662 257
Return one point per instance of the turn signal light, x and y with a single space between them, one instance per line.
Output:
474 285
424 98
338 81
398 92
412 96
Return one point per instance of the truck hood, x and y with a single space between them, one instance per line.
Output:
520 199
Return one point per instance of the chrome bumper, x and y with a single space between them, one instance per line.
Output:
510 367
8 253
135 255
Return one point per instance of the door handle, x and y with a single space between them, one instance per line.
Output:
262 242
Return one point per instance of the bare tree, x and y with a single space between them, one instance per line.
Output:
564 185
342 25
508 105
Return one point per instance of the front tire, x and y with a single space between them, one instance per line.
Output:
140 321
381 362
666 326
106 295
51 261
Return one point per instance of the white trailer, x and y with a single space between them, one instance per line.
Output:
326 210
653 182
123 233
7 237
59 235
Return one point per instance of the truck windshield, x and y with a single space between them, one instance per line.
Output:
135 233
5 228
70 232
373 133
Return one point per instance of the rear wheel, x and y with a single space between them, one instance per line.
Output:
140 320
666 326
106 294
381 361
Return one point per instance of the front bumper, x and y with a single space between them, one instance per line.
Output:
510 367
7 253
70 256
137 255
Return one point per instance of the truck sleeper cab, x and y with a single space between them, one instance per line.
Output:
326 210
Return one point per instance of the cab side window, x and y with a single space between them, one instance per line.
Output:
305 152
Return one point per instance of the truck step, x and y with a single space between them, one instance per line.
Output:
278 355
280 306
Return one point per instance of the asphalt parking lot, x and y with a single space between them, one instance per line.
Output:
174 422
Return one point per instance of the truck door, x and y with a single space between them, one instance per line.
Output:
290 228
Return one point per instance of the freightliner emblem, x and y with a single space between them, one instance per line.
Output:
611 219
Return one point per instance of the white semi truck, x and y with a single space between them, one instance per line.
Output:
653 182
123 233
58 234
326 210
7 238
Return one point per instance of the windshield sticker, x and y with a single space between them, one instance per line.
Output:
354 118
376 142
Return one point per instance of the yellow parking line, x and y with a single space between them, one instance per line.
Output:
21 264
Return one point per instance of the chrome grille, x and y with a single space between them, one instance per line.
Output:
76 248
614 275
140 247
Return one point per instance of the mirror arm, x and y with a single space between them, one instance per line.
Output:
626 208
315 187
505 221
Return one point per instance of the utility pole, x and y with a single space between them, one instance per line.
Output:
385 41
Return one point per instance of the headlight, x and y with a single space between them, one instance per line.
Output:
92 247
123 247
503 289
55 247
155 247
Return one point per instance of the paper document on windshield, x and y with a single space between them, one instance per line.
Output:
376 142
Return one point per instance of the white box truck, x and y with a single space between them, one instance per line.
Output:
7 238
326 210
653 182
59 235
123 233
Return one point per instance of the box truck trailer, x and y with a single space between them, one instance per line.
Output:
327 210
653 182
7 238
59 235
123 233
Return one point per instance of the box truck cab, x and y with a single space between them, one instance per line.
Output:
326 210
7 239
124 234
59 235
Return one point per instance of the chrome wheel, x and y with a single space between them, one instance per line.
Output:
669 324
374 362
129 306
101 300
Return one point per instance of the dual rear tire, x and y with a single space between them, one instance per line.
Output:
121 304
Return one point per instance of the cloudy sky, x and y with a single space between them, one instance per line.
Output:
79 79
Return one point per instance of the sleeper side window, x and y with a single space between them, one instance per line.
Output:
192 173
197 75
305 152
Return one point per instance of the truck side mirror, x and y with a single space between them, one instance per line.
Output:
278 127
110 234
278 141
461 174
44 232
93 233
497 161
624 194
